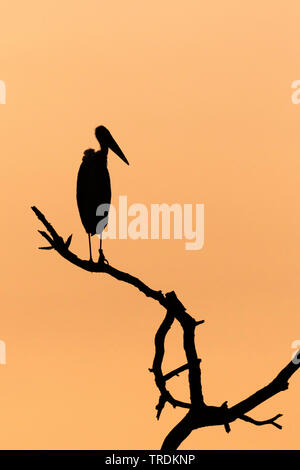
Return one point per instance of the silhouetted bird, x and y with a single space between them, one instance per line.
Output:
93 185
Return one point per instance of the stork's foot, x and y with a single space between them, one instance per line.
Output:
102 258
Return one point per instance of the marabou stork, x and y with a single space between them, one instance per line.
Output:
93 185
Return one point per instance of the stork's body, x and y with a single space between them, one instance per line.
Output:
93 186
93 189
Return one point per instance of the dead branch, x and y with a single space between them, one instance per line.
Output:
199 414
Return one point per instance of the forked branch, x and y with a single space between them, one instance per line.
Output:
261 423
199 414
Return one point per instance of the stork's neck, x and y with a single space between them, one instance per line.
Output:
104 149
102 154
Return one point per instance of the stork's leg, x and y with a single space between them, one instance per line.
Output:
90 247
102 258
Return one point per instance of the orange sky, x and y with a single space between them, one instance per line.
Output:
198 96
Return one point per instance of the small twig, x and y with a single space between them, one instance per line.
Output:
47 237
177 371
47 224
226 423
262 423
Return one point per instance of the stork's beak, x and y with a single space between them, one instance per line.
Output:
112 144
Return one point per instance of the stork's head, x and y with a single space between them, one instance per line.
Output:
106 141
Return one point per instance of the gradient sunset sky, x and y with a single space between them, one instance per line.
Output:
198 96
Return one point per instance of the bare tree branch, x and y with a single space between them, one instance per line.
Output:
188 325
157 363
169 301
199 414
61 247
279 384
179 433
